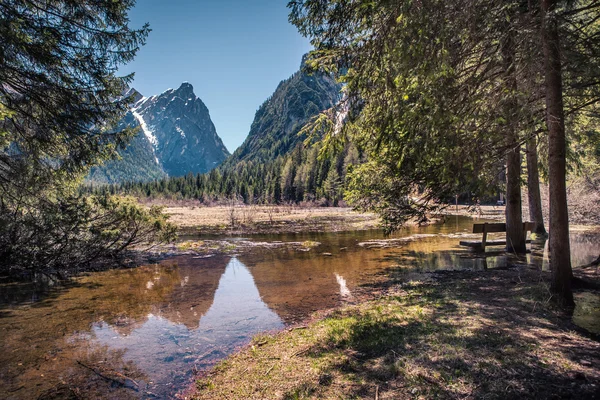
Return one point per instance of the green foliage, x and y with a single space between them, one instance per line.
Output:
59 100
439 92
58 85
61 236
291 178
373 187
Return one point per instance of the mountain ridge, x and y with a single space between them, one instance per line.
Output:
177 137
277 122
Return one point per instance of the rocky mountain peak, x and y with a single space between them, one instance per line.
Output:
177 136
186 89
133 95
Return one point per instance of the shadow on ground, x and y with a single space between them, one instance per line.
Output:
458 335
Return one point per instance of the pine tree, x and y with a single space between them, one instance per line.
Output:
60 97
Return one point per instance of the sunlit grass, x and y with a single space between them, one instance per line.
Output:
426 341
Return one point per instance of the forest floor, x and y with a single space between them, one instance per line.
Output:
492 334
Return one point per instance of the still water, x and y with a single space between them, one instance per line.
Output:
143 333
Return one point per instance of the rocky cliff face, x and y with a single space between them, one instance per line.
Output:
277 122
176 137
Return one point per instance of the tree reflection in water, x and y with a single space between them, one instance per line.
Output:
156 324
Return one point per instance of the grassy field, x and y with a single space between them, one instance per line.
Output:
449 335
242 219
247 219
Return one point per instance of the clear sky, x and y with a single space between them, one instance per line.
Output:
234 53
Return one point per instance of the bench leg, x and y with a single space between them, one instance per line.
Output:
484 238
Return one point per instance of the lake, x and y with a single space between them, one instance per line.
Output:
145 332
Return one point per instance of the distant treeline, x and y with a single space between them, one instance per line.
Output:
299 176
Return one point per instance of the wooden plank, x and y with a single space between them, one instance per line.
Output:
489 227
493 228
477 244
484 238
499 227
528 226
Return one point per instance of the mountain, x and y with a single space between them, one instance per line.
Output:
278 120
176 137
272 165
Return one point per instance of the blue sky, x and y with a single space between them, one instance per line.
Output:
234 53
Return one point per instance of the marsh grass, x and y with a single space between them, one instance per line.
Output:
242 219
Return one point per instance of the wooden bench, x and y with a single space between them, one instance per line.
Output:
493 228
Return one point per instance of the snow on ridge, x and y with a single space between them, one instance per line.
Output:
181 132
142 101
340 118
149 134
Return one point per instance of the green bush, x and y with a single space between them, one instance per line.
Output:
62 236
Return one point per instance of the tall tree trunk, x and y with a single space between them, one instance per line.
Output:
515 237
560 251
533 185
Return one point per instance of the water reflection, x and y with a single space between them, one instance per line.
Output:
157 323
190 331
344 291
163 320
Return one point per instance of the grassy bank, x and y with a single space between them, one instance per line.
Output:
492 334
254 219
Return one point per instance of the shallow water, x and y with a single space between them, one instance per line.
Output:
151 327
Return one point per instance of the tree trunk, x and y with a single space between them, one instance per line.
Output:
515 237
533 184
560 252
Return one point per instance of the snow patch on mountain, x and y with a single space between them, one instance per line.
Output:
147 131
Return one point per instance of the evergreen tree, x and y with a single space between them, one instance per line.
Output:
59 99
440 94
58 86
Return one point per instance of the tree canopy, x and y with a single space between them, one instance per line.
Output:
442 95
59 90
60 97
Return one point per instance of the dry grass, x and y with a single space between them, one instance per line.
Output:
460 335
267 219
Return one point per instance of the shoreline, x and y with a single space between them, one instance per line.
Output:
210 239
444 334
280 219
514 286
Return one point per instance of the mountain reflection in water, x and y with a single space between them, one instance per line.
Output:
193 330
158 323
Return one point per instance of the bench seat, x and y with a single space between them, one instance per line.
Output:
488 227
477 244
